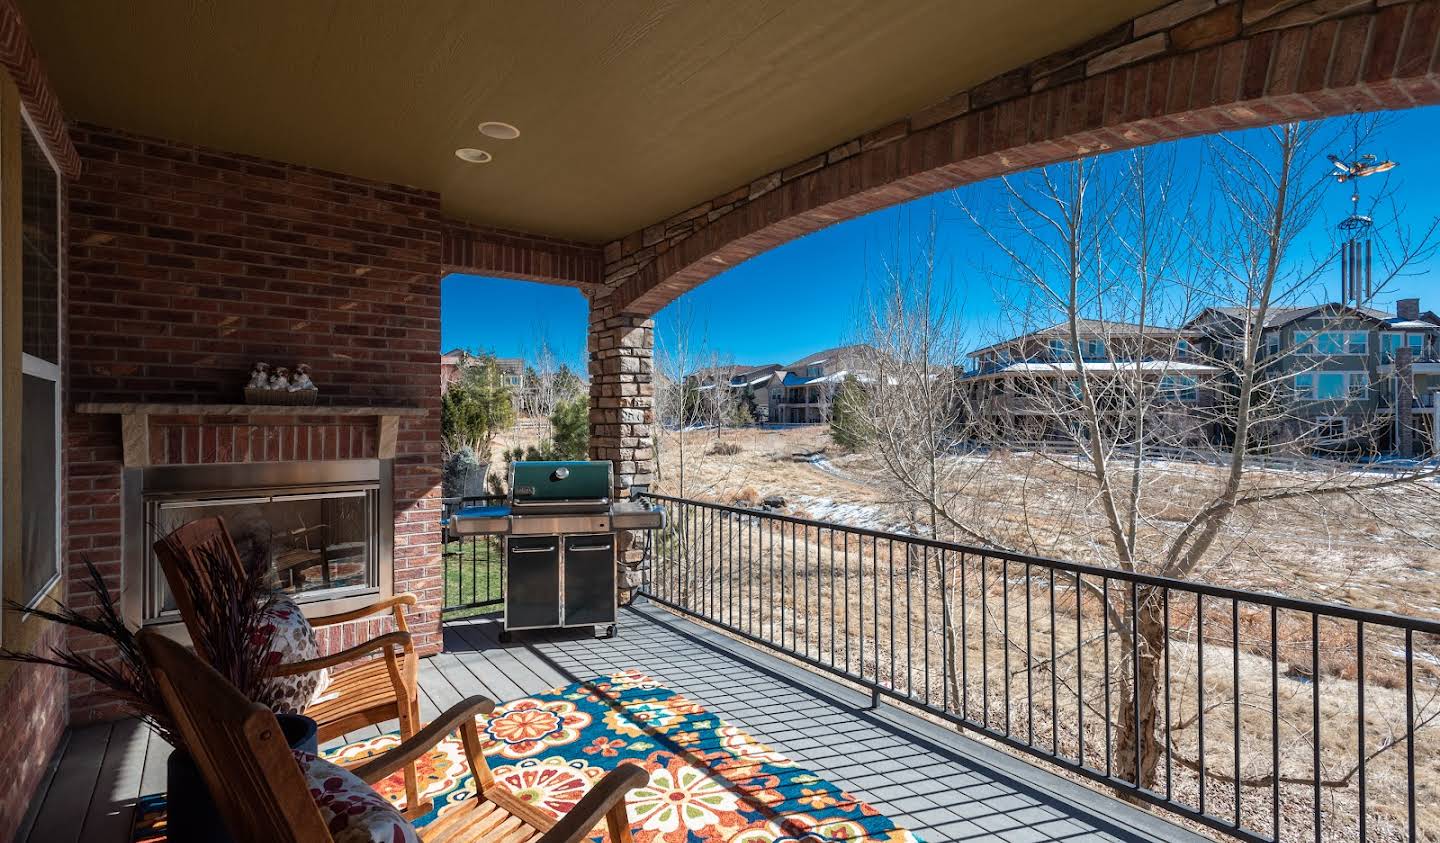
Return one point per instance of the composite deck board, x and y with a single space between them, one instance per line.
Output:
111 810
66 801
940 784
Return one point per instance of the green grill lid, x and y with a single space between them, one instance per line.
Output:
559 480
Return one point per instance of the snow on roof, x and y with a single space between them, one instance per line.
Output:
1106 365
1413 324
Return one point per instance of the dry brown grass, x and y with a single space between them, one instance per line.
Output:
851 603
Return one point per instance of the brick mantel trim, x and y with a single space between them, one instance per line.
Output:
1189 68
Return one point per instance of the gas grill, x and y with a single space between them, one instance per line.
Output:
559 525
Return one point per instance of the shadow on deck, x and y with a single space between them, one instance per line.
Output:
926 777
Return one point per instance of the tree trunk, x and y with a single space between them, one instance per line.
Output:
1136 736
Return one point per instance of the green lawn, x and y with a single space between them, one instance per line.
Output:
472 575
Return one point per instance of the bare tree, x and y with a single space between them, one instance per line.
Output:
1113 259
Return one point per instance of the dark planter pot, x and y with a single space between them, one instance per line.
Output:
191 815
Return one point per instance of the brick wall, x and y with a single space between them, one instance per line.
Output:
33 719
189 264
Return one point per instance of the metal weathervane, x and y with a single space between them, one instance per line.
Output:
1355 273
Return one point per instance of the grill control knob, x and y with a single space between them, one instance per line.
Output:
560 473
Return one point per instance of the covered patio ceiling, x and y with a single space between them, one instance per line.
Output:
629 111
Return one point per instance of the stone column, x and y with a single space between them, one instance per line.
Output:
622 391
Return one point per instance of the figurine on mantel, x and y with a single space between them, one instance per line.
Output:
260 376
301 381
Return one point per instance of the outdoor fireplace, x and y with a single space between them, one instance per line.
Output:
322 529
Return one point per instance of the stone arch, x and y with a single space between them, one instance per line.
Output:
1193 67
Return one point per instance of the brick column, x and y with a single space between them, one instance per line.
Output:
1405 402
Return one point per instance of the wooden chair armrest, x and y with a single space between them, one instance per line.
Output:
424 740
604 797
380 643
375 608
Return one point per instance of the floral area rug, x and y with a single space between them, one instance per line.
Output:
709 781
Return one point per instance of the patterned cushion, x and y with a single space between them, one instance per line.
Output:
292 640
354 812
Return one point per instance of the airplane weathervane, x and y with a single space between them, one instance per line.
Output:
1355 254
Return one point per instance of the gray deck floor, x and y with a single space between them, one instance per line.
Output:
932 780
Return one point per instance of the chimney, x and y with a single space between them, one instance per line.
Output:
1407 309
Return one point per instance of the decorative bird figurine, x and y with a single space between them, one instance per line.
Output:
302 378
260 376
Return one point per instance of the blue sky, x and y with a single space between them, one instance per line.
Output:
804 295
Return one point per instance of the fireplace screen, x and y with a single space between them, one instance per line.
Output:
314 543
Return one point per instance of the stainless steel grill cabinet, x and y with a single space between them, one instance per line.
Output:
559 529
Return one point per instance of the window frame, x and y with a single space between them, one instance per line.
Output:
51 371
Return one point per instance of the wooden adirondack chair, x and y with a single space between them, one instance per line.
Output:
363 694
262 794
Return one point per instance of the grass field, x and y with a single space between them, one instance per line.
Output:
473 578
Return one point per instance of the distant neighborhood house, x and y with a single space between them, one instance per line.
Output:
1350 376
453 362
798 393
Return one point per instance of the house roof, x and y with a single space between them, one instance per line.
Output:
1281 316
1106 366
1089 327
839 351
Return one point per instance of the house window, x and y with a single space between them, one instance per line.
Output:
1182 348
1391 342
1178 388
1094 348
1332 342
775 396
40 361
1330 429
1059 348
1332 386
813 371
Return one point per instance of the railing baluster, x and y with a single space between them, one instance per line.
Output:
1029 665
1054 674
1315 711
1079 675
1105 681
964 641
1005 635
1235 701
1274 723
1360 716
1200 686
984 643
1410 730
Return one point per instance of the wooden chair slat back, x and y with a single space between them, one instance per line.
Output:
239 748
185 550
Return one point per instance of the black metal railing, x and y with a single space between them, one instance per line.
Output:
1270 718
474 578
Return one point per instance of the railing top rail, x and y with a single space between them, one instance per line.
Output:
1279 601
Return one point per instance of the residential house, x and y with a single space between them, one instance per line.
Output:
452 363
1024 389
1355 377
801 392
1351 378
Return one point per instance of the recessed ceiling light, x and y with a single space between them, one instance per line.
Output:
499 131
473 156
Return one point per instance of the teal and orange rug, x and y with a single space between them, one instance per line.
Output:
709 781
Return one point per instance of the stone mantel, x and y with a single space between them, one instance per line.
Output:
135 419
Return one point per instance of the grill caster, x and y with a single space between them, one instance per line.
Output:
611 631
